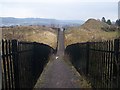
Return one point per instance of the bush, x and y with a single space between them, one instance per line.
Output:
110 28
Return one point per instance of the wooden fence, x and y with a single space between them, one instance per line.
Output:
99 61
22 63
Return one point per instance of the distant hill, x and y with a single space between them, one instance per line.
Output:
8 21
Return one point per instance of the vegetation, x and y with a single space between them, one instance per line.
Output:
118 22
108 22
112 26
91 30
39 34
103 19
118 26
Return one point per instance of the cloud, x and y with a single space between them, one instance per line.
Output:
74 10
58 1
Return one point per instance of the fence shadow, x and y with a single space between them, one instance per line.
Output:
22 63
99 61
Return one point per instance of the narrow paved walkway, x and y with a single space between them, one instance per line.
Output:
58 73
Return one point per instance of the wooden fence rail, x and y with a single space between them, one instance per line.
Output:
22 63
100 61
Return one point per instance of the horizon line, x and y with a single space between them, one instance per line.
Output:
56 18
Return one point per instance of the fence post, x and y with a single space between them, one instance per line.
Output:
15 63
34 60
116 50
4 84
87 57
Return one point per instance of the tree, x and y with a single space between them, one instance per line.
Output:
103 19
118 22
108 22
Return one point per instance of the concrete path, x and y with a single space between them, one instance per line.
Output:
58 73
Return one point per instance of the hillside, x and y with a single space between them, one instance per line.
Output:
8 21
93 24
91 30
39 34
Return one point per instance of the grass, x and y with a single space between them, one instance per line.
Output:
83 36
39 34
89 31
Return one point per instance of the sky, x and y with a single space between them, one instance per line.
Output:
60 9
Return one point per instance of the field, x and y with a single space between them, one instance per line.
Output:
91 30
39 34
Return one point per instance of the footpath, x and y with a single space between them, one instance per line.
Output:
59 72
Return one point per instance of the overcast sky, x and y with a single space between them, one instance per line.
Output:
60 9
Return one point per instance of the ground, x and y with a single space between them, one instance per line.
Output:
38 34
59 74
